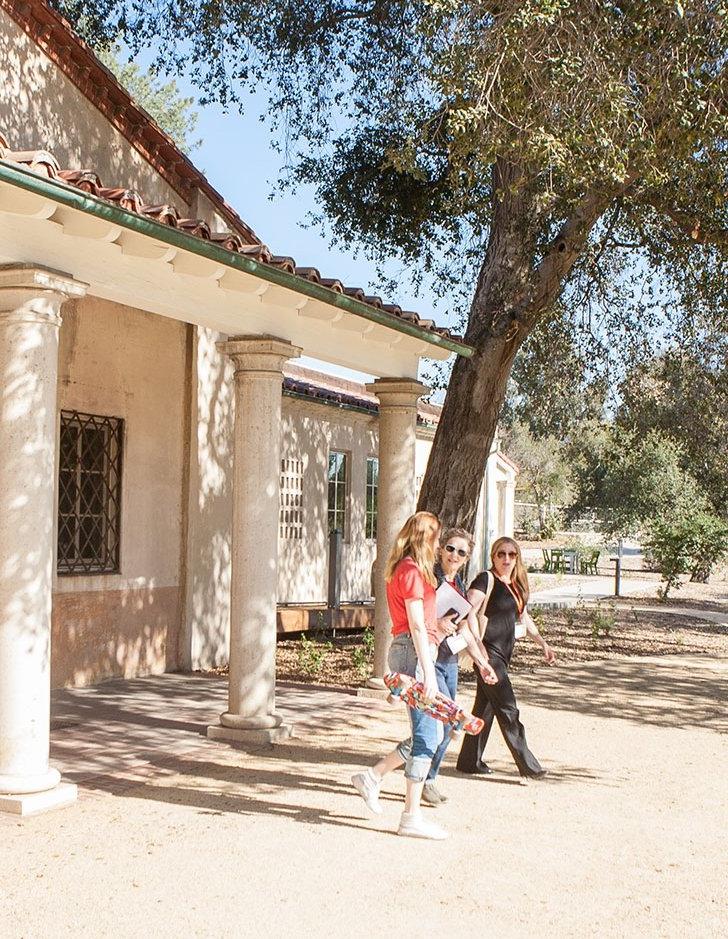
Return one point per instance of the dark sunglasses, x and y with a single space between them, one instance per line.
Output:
506 554
451 549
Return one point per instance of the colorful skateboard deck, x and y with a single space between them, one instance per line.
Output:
441 707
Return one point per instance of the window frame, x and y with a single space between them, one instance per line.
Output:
371 488
87 466
340 487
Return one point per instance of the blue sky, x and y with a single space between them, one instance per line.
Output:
237 157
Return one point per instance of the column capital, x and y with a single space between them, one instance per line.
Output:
397 392
22 285
259 353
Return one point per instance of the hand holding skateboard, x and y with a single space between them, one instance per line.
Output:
442 708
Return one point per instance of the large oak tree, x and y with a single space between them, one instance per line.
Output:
573 150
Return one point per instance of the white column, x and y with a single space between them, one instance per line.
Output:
251 715
30 303
396 494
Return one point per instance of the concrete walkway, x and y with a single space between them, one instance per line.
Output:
574 589
176 835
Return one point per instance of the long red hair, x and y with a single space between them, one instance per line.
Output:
416 540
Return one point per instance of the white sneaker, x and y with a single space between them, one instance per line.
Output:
368 789
415 826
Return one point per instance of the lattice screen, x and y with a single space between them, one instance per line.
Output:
290 523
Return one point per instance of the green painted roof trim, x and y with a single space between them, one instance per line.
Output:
76 199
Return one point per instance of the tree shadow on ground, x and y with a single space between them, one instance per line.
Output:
666 692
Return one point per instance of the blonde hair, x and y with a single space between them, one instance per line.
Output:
519 579
415 540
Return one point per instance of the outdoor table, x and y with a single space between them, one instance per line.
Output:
571 557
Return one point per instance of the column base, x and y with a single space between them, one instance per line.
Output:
377 683
249 736
380 694
24 785
31 803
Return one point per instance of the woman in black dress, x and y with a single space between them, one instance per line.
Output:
503 593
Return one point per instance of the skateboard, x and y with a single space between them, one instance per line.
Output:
442 708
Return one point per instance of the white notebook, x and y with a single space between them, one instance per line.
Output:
449 599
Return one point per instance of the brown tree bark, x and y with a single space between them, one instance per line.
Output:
512 295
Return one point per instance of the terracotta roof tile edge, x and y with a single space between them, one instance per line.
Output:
117 105
67 194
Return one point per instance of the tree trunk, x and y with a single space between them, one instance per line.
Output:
512 295
465 433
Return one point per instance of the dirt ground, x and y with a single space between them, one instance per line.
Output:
585 633
176 835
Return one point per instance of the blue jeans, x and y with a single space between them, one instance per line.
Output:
447 682
427 733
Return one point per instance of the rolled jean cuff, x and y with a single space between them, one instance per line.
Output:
416 768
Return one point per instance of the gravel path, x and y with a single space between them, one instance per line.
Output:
174 835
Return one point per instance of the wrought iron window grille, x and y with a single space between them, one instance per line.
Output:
89 493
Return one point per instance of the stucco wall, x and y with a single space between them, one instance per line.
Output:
206 626
42 109
119 362
311 431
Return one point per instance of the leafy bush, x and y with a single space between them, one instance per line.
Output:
361 655
632 480
312 655
689 544
602 621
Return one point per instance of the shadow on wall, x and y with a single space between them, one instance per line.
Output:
108 633
207 614
303 559
41 109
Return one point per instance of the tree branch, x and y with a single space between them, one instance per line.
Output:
690 224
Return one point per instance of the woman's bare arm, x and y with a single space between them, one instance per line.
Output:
533 633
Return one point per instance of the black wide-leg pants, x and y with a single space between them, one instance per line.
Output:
497 701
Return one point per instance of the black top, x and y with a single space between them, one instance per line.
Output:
502 612
444 655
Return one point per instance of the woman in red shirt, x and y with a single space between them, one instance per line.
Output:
411 584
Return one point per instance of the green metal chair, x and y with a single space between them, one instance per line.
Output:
589 562
546 561
558 563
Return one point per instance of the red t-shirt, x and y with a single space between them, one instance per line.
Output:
408 583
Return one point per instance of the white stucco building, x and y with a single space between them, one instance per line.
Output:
162 488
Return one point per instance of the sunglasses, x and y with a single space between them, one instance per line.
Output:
506 554
451 549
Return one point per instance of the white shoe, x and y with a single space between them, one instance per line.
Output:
368 789
415 826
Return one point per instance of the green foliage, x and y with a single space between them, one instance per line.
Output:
602 621
684 393
361 655
544 471
162 100
312 655
557 381
632 480
691 544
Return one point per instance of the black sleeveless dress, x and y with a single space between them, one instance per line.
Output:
498 701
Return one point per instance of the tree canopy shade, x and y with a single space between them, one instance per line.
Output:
573 152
